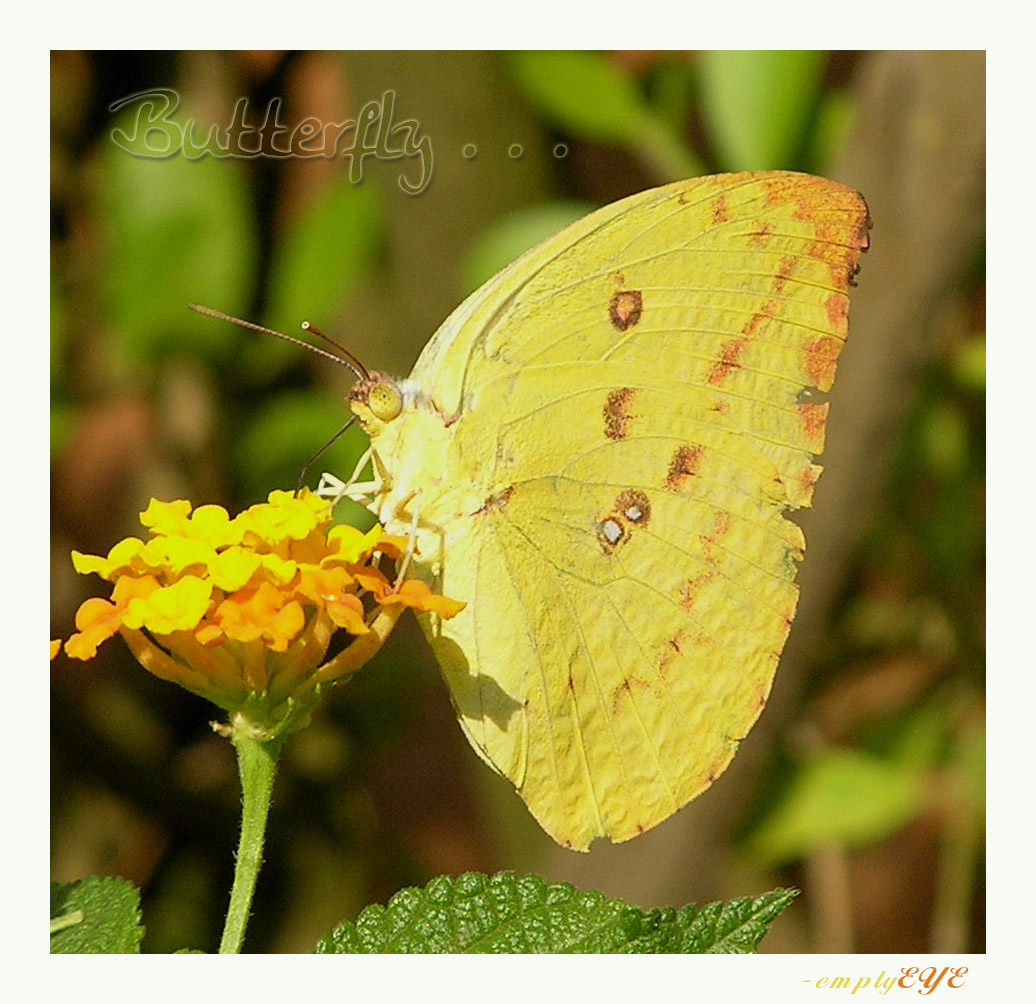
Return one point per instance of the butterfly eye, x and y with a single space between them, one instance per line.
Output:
385 400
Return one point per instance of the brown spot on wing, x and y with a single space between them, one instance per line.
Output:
818 360
719 210
838 216
616 412
632 509
625 308
841 261
610 534
671 649
838 312
634 506
808 479
720 527
625 689
730 353
691 589
496 502
728 360
778 186
814 417
784 271
683 465
839 247
769 309
762 231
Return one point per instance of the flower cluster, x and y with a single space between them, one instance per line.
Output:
241 610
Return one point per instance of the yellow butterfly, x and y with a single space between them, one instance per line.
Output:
597 450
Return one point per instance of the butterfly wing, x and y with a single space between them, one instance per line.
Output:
607 437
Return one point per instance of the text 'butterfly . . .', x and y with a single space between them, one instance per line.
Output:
599 446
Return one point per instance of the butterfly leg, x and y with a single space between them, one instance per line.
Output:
409 508
411 541
363 492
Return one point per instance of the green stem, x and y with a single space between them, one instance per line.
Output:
257 763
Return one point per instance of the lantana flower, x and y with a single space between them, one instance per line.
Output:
242 609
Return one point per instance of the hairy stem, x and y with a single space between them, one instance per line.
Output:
257 764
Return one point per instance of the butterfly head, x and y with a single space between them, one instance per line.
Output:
376 400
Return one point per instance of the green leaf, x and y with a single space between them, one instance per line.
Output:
583 93
317 263
511 235
758 105
178 230
587 95
733 928
95 916
671 90
842 797
506 913
832 127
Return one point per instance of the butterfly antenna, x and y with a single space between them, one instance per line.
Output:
358 369
309 463
314 330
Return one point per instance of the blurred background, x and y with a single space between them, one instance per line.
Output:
862 784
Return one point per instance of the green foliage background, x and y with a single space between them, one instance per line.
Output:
864 783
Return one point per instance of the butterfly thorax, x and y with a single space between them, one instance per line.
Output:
411 441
